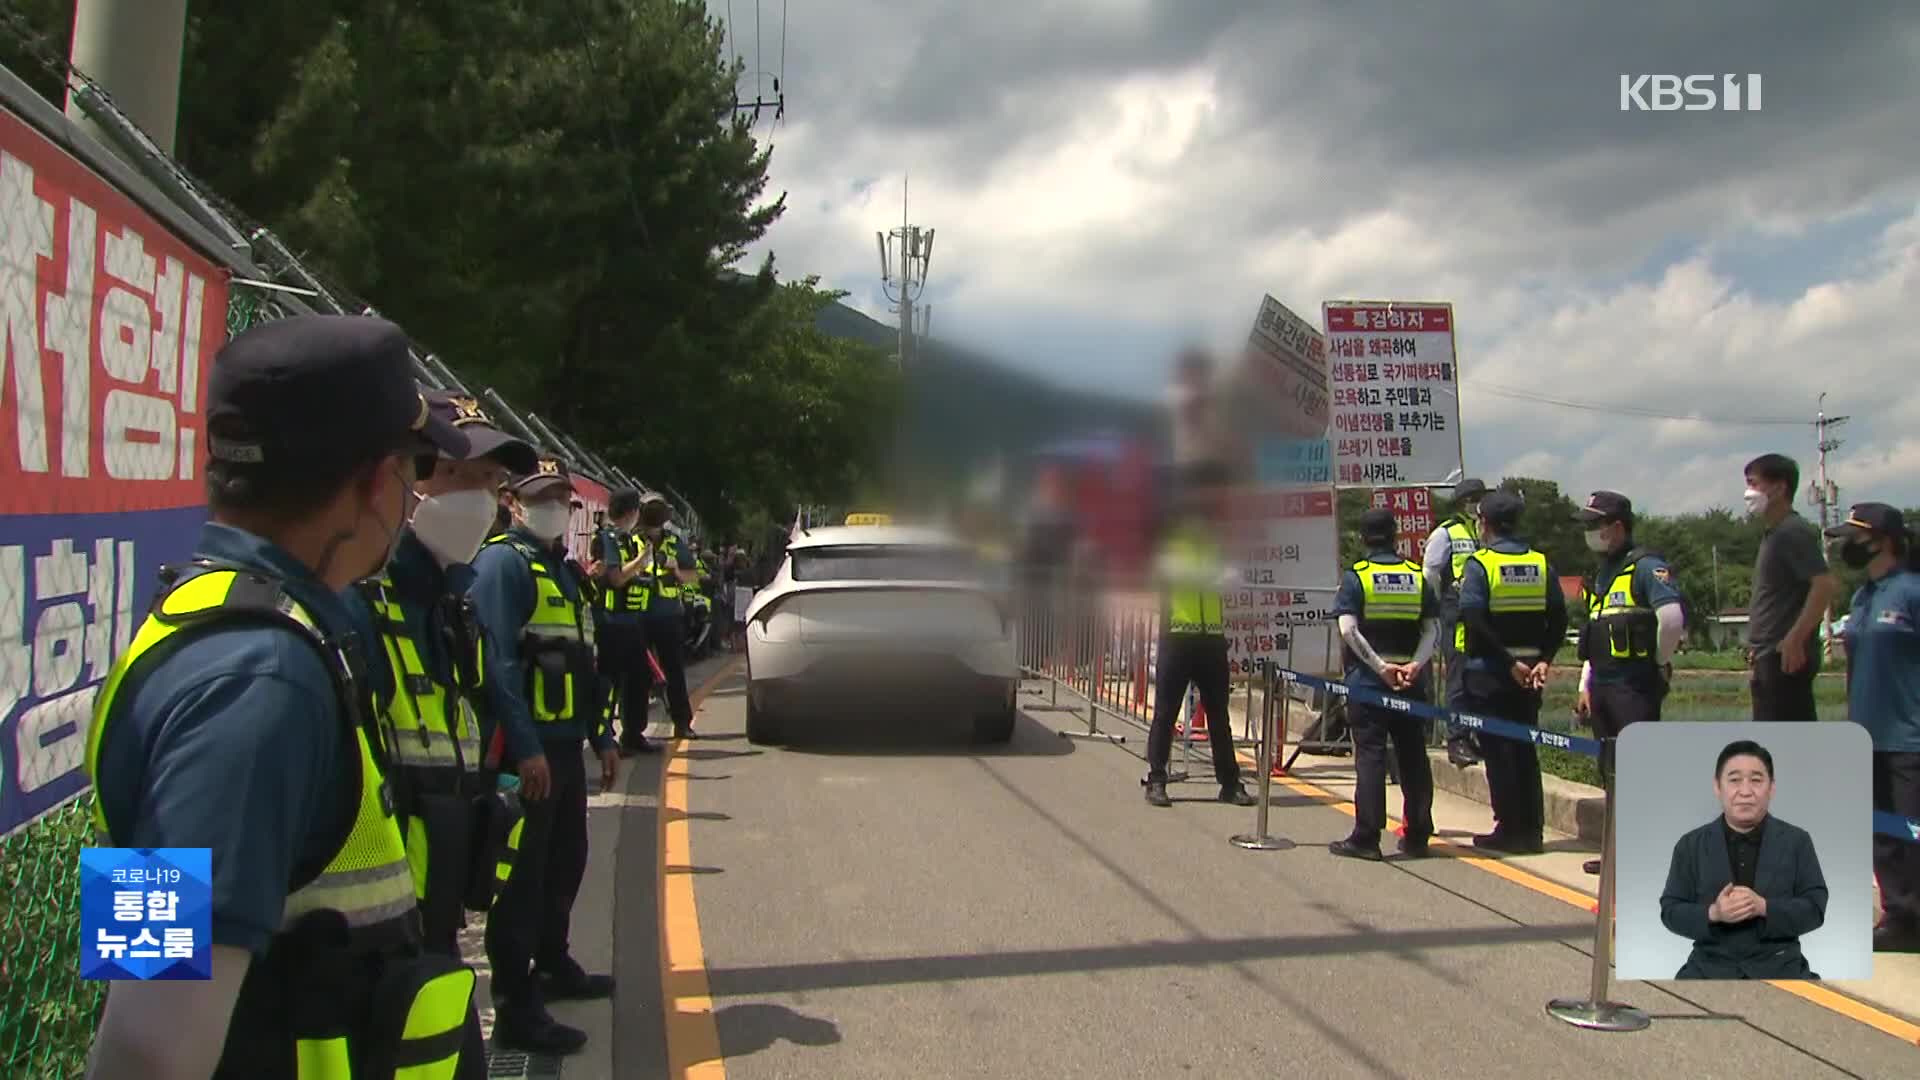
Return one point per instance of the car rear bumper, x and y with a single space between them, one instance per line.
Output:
931 683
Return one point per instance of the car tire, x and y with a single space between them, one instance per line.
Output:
763 728
997 726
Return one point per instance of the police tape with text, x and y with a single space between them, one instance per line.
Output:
1883 823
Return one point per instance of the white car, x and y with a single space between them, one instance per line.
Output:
879 618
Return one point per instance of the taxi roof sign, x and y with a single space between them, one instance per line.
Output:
869 519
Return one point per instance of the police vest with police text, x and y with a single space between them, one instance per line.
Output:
1463 539
1516 603
556 645
1621 627
1192 609
350 928
1392 596
666 566
632 596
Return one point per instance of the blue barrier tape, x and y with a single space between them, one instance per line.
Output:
1884 823
1505 729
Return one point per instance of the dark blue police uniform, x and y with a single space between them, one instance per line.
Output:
1374 727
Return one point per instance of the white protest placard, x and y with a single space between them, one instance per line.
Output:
1286 543
1396 393
1279 388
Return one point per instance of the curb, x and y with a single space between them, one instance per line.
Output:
1575 809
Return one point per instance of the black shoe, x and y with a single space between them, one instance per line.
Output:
1235 795
1460 752
1591 866
534 1032
1897 938
1349 849
569 982
1509 845
1413 849
635 749
684 731
1157 793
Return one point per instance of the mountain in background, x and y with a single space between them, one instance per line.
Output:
969 410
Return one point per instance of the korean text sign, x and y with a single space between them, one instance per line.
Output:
1286 545
1281 462
1280 388
1396 393
1413 512
146 913
107 326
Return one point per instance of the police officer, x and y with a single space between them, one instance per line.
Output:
1634 623
670 568
427 674
624 588
1193 635
541 636
1389 623
1452 540
1512 621
238 721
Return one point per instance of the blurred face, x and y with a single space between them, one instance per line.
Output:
1745 789
371 512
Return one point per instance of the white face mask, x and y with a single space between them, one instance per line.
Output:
1597 541
1756 502
454 525
547 520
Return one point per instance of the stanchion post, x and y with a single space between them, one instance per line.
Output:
1596 1013
1259 839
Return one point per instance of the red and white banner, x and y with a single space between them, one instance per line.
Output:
592 498
108 324
1413 512
1286 545
1396 393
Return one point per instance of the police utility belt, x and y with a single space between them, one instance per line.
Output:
347 989
462 833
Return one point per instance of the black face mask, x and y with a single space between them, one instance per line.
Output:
1856 554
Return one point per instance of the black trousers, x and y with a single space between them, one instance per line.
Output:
1896 789
667 637
1191 660
1373 728
1616 706
624 671
473 1042
1780 696
1513 766
530 923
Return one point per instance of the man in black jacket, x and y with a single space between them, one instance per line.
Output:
1746 886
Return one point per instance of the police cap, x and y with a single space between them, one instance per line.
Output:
484 437
547 472
317 391
1378 523
1871 517
1470 488
1502 508
1605 506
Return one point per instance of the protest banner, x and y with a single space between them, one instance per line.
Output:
1395 393
1413 512
1278 388
1286 544
108 323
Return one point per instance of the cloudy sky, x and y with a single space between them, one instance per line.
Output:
1110 177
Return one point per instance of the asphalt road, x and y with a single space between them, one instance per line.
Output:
899 904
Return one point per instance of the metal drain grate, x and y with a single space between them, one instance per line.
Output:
515 1065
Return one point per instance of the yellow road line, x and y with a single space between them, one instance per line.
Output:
693 1039
1822 996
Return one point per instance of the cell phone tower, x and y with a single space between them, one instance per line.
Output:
905 254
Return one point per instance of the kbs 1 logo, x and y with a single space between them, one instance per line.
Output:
1691 93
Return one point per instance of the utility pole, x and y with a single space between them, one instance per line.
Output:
905 279
1825 493
132 48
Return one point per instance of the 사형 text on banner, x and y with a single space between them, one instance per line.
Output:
1286 543
108 325
1413 512
1396 393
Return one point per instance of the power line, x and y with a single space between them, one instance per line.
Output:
1633 410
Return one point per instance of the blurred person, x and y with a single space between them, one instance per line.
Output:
619 569
1513 620
425 667
237 721
541 637
1192 650
1456 537
669 567
1745 887
1792 589
1389 623
1635 621
1883 695
1197 420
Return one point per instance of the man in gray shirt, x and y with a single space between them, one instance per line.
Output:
1792 591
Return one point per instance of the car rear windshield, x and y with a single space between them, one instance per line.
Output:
890 562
